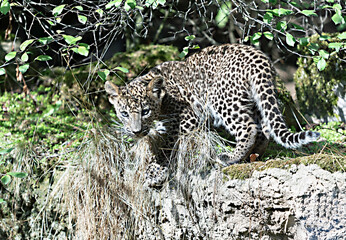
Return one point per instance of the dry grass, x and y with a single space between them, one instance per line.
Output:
104 190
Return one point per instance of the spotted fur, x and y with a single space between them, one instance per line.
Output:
233 85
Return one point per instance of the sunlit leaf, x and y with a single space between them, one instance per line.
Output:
82 50
45 40
100 12
2 71
282 25
5 7
115 3
82 19
24 57
268 35
6 179
321 64
9 56
290 40
303 41
43 58
57 10
122 69
268 17
103 74
309 13
342 36
24 68
80 8
335 46
222 15
324 54
71 39
184 52
25 44
256 36
190 37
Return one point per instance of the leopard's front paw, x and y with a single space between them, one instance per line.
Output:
227 159
155 175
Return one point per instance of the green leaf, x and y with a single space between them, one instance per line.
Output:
190 37
282 25
313 47
82 19
309 13
195 47
45 40
2 201
5 151
290 40
9 56
222 15
296 26
342 36
24 68
122 69
321 64
103 74
115 3
268 17
324 37
303 41
100 12
265 1
24 57
335 46
337 6
57 10
281 12
337 17
80 8
154 3
2 71
43 58
18 174
324 54
6 179
71 40
25 44
131 3
184 52
256 36
5 7
82 50
268 35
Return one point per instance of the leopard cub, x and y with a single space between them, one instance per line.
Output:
233 83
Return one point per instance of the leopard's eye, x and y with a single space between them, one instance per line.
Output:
124 114
145 112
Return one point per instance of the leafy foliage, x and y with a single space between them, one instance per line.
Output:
317 78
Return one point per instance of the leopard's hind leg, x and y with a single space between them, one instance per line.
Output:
245 132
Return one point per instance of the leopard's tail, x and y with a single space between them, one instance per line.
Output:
263 91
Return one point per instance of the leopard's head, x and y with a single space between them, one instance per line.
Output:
138 104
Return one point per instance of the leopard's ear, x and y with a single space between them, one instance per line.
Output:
112 89
156 88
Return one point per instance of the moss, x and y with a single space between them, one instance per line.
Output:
329 162
316 89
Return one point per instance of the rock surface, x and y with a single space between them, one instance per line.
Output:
304 202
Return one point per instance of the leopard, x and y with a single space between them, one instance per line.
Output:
233 83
